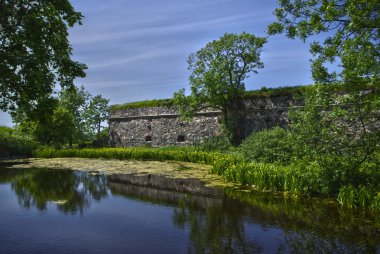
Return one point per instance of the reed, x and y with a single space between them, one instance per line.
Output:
347 196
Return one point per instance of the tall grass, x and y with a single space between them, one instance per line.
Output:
139 153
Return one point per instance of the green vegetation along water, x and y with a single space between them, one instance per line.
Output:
65 211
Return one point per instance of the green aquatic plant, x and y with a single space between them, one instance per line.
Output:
347 196
375 205
365 196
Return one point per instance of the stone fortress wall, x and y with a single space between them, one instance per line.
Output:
162 126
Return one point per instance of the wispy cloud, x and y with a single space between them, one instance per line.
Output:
138 49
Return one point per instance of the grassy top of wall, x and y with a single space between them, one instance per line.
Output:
248 94
263 92
143 104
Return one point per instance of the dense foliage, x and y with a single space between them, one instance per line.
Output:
74 116
96 114
13 143
268 146
213 144
336 132
351 32
34 51
340 132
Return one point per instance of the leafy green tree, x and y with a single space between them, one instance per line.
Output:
12 143
36 122
58 120
34 51
351 29
97 113
76 101
217 79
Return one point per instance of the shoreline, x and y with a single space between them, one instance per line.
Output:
169 169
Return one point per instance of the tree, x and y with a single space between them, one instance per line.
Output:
57 120
218 72
97 113
76 101
34 51
351 29
62 126
337 130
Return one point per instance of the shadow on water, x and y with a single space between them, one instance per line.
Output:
218 221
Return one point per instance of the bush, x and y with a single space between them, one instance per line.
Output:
268 146
219 143
339 132
13 144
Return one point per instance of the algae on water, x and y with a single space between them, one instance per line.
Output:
170 169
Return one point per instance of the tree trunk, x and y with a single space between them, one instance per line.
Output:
233 121
98 134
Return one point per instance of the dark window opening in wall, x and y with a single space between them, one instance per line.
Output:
268 123
148 138
181 138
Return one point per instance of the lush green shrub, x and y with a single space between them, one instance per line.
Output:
219 144
268 146
338 131
14 144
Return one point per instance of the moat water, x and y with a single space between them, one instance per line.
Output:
61 211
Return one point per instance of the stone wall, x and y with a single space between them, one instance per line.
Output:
265 113
162 126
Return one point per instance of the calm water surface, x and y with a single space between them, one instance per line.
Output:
59 211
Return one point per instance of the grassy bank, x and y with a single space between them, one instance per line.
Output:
292 181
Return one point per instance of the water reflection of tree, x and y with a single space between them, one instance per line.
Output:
318 224
215 229
71 191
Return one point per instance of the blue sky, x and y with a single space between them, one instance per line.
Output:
137 50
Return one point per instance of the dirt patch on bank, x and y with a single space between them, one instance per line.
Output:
170 169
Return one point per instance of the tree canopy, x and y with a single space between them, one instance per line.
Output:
217 77
35 53
352 35
71 117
